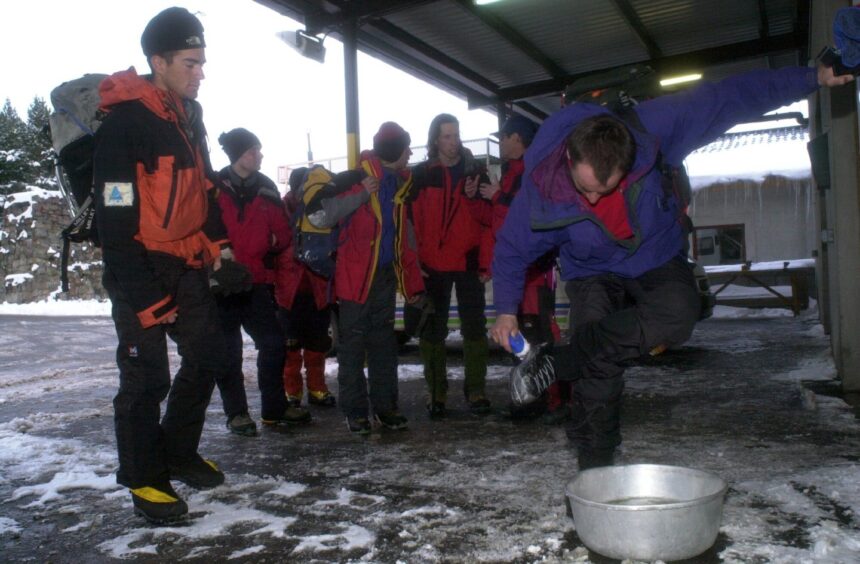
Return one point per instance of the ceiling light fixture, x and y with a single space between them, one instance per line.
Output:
680 79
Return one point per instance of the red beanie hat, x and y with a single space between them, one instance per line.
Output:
390 141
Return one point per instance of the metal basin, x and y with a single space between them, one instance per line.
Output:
647 511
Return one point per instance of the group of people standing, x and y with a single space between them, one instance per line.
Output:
198 256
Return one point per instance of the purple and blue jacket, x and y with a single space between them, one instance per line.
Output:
548 213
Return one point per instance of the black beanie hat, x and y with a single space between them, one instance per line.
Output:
390 141
236 141
296 178
173 29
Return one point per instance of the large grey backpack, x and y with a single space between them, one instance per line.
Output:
75 119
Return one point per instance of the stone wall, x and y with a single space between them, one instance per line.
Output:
31 247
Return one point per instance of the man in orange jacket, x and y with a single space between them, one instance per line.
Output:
160 229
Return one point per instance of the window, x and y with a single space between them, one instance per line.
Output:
719 244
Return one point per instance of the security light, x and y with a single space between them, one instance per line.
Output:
308 45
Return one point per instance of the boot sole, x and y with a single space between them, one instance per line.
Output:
243 432
160 520
194 484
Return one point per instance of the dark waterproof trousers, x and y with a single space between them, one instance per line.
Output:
256 312
305 326
366 333
473 327
146 446
613 320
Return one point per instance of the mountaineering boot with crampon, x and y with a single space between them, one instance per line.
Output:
199 473
291 414
532 376
478 404
158 504
323 398
242 425
392 420
358 425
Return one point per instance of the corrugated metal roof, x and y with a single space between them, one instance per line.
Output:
524 52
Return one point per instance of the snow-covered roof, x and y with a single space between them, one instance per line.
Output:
751 155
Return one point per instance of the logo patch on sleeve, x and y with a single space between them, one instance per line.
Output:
119 194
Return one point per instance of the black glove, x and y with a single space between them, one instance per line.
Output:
270 259
231 278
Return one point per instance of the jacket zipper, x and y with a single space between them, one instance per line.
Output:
171 200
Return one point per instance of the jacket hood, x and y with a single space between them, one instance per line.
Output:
374 165
127 86
546 159
471 165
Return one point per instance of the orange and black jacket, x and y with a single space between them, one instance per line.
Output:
450 227
152 192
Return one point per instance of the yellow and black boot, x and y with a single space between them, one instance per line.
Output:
158 504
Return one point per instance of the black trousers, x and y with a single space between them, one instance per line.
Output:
614 320
366 332
305 326
256 312
146 446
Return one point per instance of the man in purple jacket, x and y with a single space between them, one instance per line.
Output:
592 189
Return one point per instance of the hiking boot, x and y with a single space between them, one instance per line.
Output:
158 504
392 420
436 409
242 425
530 378
324 399
479 405
291 415
358 425
199 473
594 458
556 416
294 401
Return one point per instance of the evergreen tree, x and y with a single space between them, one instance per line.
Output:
38 143
15 167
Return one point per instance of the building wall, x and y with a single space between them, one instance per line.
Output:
777 214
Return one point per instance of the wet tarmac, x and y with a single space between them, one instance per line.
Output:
467 488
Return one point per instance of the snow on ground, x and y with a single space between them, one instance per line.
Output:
466 489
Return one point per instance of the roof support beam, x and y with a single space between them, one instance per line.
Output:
324 16
515 38
431 52
672 63
763 25
629 14
395 56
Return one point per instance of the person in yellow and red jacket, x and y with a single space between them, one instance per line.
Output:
160 229
454 245
305 313
375 257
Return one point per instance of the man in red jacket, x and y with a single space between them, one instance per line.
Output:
257 226
452 227
537 310
375 259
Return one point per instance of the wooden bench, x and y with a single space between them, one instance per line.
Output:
797 271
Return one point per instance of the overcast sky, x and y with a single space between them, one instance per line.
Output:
253 79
